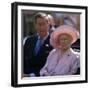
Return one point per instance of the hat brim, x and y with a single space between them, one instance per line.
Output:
64 29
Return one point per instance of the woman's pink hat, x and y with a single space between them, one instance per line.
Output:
64 29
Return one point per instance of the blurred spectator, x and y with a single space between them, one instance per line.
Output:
51 22
58 19
72 20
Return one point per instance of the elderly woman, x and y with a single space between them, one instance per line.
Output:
62 60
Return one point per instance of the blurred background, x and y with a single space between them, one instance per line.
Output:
55 19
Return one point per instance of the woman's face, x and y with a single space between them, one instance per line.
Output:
65 41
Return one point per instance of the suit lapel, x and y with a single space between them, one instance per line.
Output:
45 44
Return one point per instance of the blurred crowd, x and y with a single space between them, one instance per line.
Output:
57 19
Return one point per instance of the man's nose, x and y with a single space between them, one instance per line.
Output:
41 27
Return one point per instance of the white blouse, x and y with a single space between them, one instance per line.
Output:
61 65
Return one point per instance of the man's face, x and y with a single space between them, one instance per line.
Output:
42 26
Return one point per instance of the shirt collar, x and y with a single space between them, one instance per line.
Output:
44 37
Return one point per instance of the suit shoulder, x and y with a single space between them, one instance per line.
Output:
29 39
